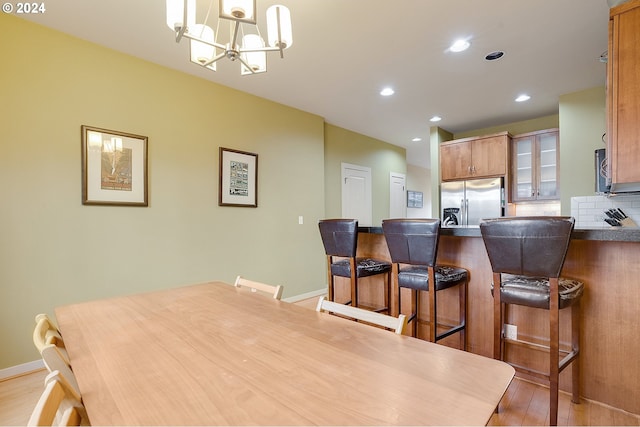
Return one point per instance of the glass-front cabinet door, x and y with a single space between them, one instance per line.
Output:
535 166
523 161
548 166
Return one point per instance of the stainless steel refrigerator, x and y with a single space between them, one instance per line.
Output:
467 202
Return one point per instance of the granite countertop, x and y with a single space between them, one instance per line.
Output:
613 234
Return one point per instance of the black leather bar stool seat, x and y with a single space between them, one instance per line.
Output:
413 246
534 291
340 239
527 255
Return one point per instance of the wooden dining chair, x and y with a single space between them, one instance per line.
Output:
59 404
54 362
45 333
396 324
274 290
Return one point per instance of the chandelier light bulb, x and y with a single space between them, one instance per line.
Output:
279 29
175 13
202 52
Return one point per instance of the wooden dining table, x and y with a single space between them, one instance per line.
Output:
213 354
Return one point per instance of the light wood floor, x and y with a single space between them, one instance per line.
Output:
524 403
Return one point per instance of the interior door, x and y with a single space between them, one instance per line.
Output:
356 193
397 195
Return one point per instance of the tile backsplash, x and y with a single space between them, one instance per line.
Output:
589 210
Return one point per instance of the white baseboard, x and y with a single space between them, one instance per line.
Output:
307 295
17 370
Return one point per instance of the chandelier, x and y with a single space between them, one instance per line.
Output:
244 44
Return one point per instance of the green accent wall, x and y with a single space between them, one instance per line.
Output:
55 251
583 122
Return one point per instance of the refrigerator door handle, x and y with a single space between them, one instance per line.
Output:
466 211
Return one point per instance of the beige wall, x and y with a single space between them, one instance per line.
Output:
55 251
582 124
345 146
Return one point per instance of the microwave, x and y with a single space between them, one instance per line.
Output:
601 171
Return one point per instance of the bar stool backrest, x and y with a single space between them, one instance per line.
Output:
528 246
339 236
412 241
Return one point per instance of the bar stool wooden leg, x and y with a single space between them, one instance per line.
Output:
462 298
497 318
554 350
415 295
575 346
354 283
395 308
330 280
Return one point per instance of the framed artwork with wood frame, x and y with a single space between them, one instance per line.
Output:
114 168
238 181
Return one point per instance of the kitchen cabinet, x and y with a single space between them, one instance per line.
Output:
535 166
477 157
623 97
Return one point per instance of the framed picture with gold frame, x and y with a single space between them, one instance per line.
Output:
114 168
238 181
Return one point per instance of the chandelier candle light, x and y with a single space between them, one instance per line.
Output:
206 49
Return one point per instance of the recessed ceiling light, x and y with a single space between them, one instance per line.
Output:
492 56
416 139
435 119
387 91
459 45
523 97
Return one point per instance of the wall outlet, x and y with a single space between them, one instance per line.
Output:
510 332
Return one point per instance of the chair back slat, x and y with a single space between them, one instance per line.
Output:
396 324
274 290
59 404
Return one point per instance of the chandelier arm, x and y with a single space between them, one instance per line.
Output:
247 66
210 43
234 37
258 49
214 59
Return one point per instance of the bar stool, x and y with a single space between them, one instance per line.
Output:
413 246
340 239
526 256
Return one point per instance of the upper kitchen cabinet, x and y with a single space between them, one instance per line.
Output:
535 166
477 157
623 97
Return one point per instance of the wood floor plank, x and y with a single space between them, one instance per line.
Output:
18 397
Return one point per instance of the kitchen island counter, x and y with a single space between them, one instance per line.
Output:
611 234
606 260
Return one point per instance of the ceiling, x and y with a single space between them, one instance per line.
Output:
345 51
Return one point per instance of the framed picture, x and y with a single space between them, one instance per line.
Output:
114 168
414 199
238 184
